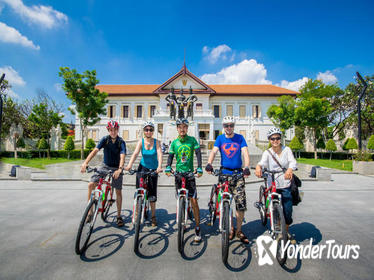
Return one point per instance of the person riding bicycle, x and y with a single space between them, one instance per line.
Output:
151 160
114 159
231 146
288 163
183 148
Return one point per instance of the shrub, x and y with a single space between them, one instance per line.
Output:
362 156
331 147
21 143
371 143
69 145
321 144
90 144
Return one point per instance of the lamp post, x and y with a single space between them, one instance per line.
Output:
1 105
359 109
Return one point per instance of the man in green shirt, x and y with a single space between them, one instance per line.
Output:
183 148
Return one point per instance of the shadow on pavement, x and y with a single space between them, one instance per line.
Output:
292 265
193 250
240 256
306 231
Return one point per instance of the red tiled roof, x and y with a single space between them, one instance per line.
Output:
119 90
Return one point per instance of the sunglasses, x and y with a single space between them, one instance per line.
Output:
229 125
275 138
148 130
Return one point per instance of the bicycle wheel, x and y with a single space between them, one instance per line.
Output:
212 206
107 203
261 206
281 232
85 227
225 231
181 217
138 216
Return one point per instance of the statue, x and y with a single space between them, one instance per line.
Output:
181 102
172 100
190 101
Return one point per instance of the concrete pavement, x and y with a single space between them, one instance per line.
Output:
39 221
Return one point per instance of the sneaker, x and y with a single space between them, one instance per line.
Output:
197 235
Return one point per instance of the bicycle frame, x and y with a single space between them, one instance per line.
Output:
182 192
225 196
142 192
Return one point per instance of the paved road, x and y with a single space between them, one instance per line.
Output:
39 221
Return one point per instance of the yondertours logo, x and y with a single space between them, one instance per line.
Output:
267 250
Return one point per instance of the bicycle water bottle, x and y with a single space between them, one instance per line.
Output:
267 201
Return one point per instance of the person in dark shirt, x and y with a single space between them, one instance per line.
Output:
114 159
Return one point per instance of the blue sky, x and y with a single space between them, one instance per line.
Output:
143 42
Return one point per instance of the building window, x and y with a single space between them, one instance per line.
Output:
139 111
125 111
111 111
216 134
199 107
152 111
229 110
216 111
256 112
242 111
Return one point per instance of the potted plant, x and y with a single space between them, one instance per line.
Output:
363 163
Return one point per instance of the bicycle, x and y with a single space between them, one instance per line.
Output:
220 205
270 206
183 212
89 215
141 203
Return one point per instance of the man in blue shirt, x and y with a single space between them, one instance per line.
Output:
114 159
232 146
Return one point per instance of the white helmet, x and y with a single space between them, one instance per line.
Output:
274 130
145 124
228 119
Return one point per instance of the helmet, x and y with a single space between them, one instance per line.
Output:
112 124
228 119
145 124
182 121
274 130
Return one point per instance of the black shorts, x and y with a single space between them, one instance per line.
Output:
152 183
190 185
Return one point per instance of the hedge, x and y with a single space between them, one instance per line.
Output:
326 155
74 154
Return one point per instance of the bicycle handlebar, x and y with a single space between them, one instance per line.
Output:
145 173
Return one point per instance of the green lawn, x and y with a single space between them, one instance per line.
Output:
334 163
35 162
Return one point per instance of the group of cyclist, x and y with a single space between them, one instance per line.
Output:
232 147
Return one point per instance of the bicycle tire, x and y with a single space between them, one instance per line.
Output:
212 205
107 204
225 231
81 244
262 206
181 218
282 236
138 213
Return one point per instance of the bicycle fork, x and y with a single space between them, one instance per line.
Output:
225 197
139 193
181 193
96 194
277 197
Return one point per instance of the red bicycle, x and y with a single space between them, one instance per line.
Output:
100 202
220 205
270 206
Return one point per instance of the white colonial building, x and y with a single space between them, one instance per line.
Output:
131 105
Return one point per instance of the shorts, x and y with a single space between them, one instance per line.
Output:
237 189
152 184
116 183
190 185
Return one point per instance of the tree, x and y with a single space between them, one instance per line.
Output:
283 115
21 143
321 143
371 142
88 101
43 145
296 145
90 144
69 145
44 119
313 109
331 147
351 144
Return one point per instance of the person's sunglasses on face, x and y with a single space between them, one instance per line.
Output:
148 130
275 138
229 125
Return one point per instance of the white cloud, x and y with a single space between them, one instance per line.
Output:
12 76
11 93
44 16
327 77
11 35
245 72
295 85
217 53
